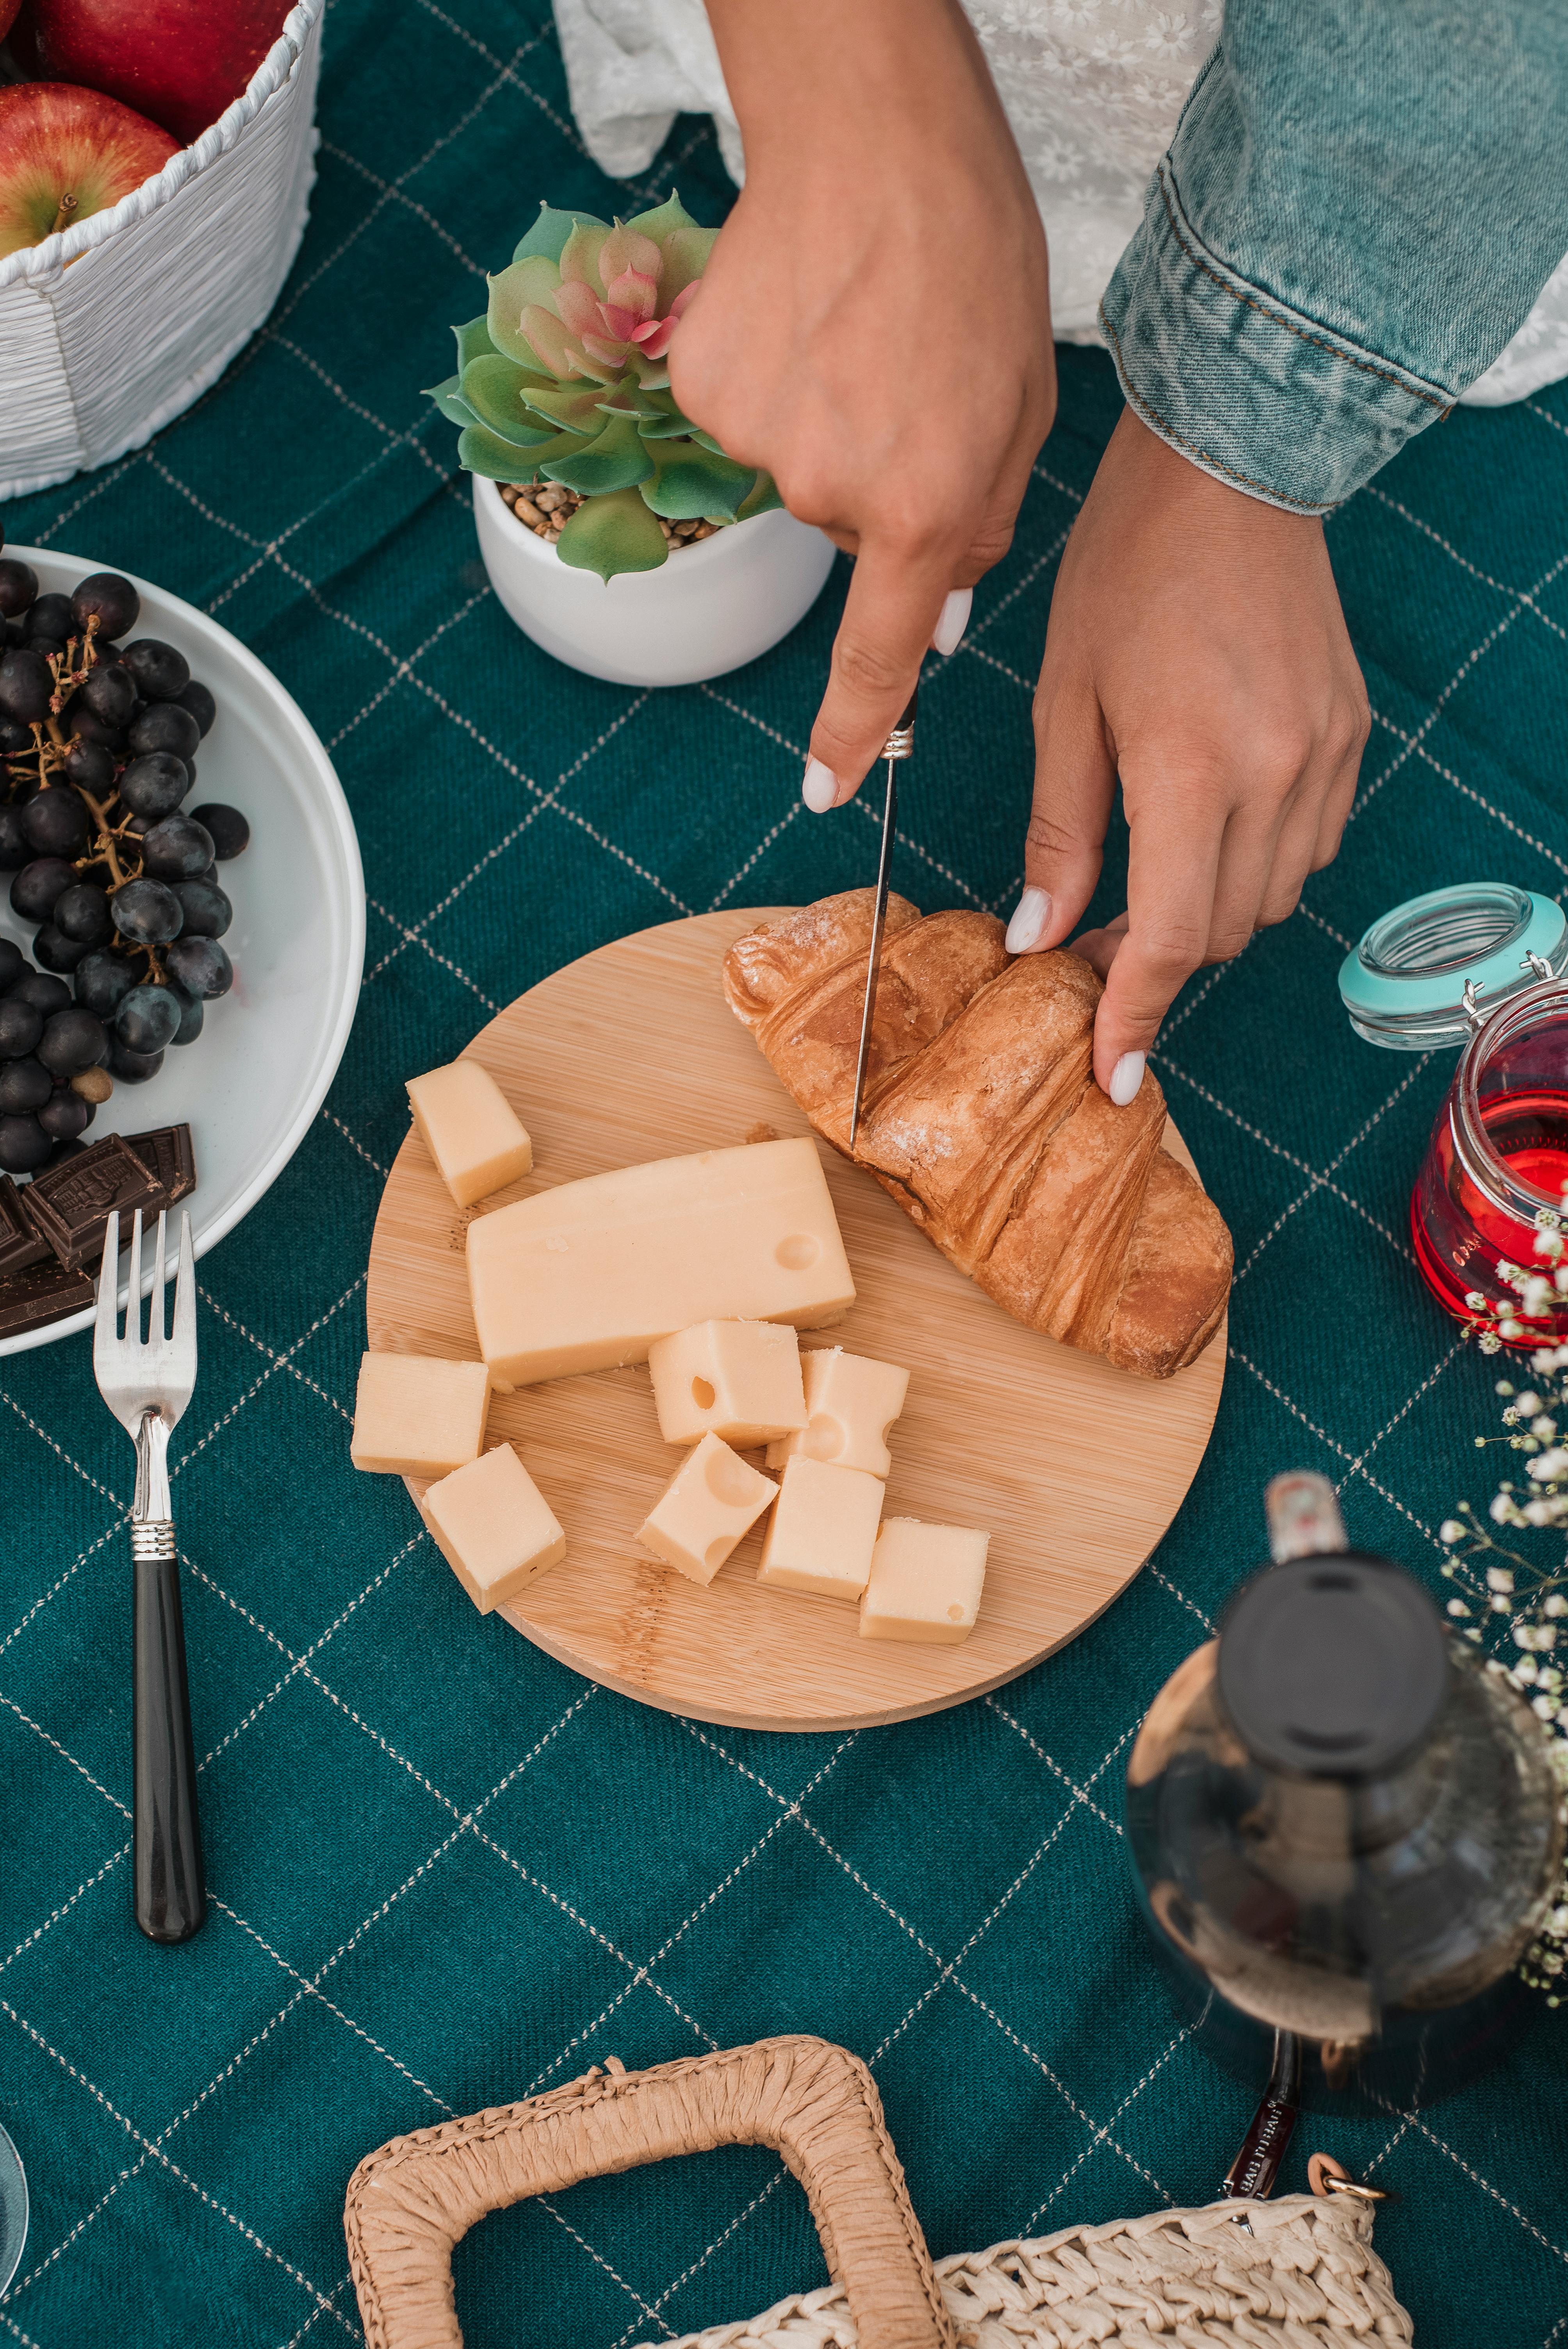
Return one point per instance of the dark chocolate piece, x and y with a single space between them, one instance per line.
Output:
70 1205
43 1292
20 1243
169 1154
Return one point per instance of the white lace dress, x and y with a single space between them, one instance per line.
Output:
1092 89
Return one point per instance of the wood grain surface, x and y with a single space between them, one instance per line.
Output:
1074 1469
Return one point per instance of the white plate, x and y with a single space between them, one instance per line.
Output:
251 1084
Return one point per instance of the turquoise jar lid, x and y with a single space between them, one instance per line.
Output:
1422 974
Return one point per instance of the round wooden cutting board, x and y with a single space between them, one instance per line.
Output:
634 1054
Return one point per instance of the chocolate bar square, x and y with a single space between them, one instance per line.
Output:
69 1204
43 1292
20 1243
169 1154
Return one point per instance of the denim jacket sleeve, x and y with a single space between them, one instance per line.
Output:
1360 204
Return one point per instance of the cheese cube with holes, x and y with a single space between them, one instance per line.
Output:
851 1403
822 1531
713 1499
471 1129
925 1583
493 1527
738 1379
592 1273
414 1415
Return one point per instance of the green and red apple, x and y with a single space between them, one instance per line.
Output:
66 154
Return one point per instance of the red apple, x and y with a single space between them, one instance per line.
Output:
66 153
179 62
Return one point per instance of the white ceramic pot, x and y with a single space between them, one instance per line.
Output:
710 608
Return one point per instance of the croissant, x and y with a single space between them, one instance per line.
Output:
982 1118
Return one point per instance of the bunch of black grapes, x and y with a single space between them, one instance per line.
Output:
98 755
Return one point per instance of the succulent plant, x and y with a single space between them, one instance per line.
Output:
565 377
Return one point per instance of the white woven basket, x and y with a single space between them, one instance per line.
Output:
111 327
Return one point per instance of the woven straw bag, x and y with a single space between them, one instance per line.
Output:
112 326
1298 2273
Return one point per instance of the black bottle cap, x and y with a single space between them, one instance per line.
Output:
1332 1666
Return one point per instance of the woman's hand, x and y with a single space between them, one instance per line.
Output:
873 328
1197 648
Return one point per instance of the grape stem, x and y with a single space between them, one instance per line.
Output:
49 748
103 852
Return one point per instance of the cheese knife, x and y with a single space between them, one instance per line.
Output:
899 744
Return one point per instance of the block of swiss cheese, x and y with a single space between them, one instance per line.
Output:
590 1274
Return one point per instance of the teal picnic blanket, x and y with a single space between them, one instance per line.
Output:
446 1871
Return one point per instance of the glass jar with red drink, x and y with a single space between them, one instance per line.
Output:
1483 966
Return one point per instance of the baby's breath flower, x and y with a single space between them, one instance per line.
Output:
1500 1577
1555 1605
1545 1427
1458 1607
1489 1344
1451 1530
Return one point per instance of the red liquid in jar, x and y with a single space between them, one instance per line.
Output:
1459 1233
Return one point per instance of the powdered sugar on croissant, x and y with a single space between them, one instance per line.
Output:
982 1118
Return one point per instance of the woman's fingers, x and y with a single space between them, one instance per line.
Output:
892 610
1075 778
1099 948
903 599
1172 876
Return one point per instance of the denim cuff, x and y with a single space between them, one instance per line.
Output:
1247 387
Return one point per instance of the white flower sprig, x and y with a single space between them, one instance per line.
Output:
1503 1587
1539 1291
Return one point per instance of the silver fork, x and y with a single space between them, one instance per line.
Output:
147 1385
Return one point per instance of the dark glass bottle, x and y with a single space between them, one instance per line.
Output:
1343 1826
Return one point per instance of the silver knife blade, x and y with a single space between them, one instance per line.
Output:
899 745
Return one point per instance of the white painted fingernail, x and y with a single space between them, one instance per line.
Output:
1126 1077
1027 926
954 618
820 788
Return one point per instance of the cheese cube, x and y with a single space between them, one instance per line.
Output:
493 1527
589 1275
822 1531
416 1415
713 1498
470 1129
925 1583
739 1380
851 1403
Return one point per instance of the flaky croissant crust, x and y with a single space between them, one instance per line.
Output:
982 1118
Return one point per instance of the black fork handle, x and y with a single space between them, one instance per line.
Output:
171 1887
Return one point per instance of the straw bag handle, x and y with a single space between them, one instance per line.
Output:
813 2103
